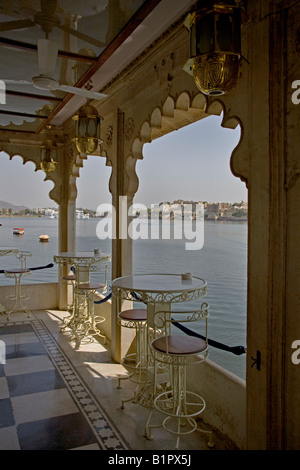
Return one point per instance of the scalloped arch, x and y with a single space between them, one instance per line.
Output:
179 112
183 101
26 159
168 107
155 120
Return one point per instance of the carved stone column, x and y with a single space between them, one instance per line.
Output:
122 193
66 199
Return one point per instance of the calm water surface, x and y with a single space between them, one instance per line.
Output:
222 262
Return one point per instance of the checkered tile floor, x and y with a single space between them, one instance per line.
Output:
44 404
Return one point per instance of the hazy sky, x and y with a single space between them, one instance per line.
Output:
189 164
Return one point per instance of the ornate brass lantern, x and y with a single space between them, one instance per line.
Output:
215 47
87 129
48 157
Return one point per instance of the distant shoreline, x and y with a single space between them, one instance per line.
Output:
226 219
206 219
21 216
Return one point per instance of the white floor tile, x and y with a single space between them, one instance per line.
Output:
9 439
42 405
25 365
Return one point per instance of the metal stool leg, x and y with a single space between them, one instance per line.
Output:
135 363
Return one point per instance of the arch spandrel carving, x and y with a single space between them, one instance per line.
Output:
132 180
30 154
239 155
69 164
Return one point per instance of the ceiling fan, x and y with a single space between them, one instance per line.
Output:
47 19
47 56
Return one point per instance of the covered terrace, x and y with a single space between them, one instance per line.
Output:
136 54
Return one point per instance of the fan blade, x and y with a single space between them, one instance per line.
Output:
19 24
47 55
82 92
81 36
17 82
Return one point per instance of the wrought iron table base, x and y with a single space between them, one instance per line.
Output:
84 322
17 298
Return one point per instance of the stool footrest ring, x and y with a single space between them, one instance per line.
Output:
186 405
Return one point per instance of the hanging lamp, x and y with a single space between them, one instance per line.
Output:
215 46
87 129
48 153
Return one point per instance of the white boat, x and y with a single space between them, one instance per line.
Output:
18 231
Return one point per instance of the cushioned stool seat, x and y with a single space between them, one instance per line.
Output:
135 314
179 345
180 404
17 271
90 286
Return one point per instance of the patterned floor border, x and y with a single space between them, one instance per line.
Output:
106 433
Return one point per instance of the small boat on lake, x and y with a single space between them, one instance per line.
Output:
18 231
44 238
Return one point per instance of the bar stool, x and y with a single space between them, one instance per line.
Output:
135 363
17 274
87 325
179 351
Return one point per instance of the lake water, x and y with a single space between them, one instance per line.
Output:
222 262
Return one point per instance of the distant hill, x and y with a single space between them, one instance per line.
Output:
8 205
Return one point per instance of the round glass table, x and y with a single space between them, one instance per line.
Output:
81 258
158 292
159 288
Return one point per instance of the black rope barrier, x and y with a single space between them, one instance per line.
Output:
237 350
101 301
50 265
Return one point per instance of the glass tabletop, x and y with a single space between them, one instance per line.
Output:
159 283
81 254
82 258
